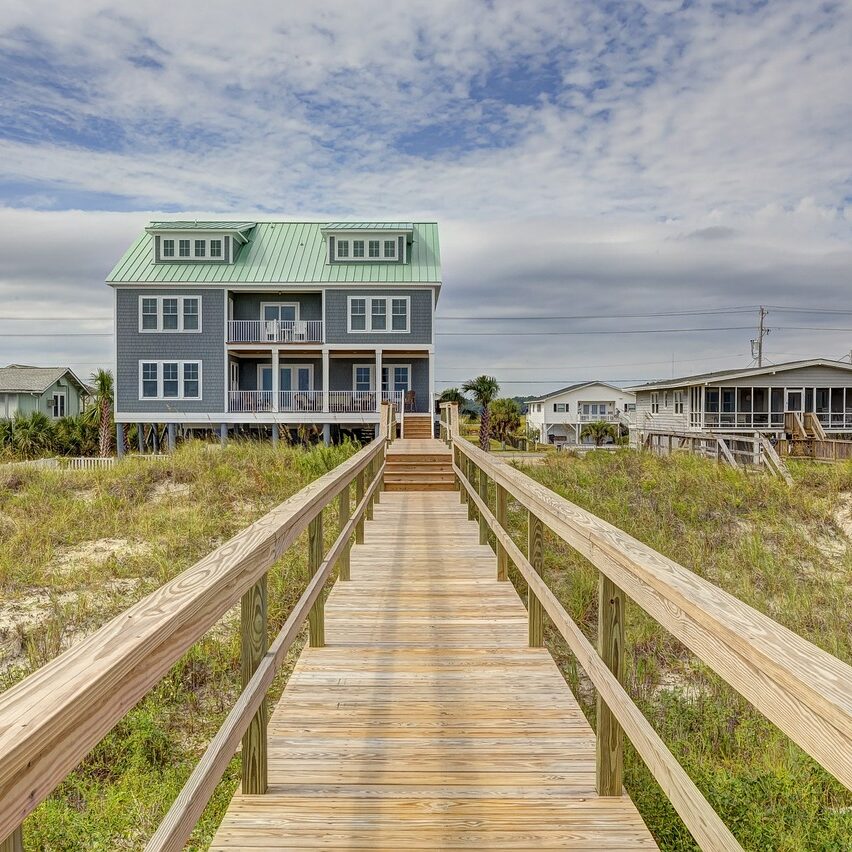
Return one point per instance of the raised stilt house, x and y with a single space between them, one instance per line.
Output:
229 325
754 399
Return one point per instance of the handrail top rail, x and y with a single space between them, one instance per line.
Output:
691 607
100 678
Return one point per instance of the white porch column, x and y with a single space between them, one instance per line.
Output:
326 380
378 380
276 379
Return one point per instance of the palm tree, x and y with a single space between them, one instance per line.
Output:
101 411
453 395
33 435
484 389
599 431
505 418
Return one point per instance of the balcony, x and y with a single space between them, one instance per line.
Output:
275 331
310 401
612 417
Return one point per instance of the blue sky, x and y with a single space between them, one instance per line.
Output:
582 158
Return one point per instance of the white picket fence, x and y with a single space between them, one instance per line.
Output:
79 462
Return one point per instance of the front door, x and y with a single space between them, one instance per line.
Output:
795 400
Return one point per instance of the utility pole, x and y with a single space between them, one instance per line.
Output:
757 343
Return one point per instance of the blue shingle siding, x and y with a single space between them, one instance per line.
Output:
247 305
208 346
336 317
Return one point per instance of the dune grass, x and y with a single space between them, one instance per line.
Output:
78 547
786 552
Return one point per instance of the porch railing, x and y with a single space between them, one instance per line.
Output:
339 401
275 331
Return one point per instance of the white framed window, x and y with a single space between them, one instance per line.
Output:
170 380
169 314
200 248
655 402
396 377
169 310
168 248
560 407
149 313
380 314
362 377
215 248
183 246
58 405
665 399
677 398
189 247
357 314
365 248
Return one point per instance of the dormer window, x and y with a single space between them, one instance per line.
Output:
367 248
198 242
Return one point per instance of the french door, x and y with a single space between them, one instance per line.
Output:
292 377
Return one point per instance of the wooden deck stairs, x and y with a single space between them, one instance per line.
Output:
418 426
419 464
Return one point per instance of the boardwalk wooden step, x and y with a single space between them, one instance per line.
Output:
427 722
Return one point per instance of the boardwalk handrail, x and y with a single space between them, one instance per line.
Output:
51 719
802 689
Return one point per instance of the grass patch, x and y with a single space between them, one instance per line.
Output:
784 551
77 548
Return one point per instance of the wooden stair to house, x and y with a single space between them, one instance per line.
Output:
418 426
419 464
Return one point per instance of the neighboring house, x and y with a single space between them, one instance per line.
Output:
749 399
561 415
232 323
54 391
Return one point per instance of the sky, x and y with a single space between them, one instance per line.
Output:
601 171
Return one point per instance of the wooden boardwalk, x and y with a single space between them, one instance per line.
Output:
426 722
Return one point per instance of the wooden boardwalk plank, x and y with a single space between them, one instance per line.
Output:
427 722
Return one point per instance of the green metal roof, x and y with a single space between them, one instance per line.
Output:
368 226
283 253
195 225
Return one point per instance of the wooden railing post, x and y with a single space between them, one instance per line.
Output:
610 738
457 458
501 505
469 467
371 472
359 496
482 489
316 617
376 493
343 515
535 556
254 645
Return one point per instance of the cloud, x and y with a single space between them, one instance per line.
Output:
582 158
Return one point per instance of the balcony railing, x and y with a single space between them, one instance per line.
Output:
339 401
766 419
611 417
275 331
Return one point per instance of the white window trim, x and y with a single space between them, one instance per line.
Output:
388 300
159 329
655 402
389 368
366 237
192 256
372 369
180 364
294 366
58 393
264 305
563 410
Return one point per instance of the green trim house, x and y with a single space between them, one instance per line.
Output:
234 324
54 391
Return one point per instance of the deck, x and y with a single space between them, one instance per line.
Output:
427 722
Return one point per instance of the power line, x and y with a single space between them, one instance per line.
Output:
39 319
600 331
61 334
707 312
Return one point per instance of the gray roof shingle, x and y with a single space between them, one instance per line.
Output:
20 378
